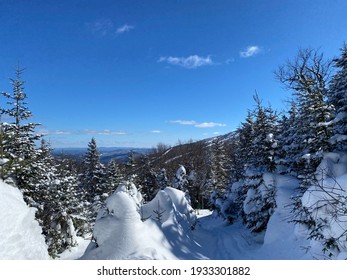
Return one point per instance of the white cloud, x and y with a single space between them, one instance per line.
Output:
199 125
124 28
250 51
104 132
60 132
55 132
106 27
101 26
155 131
190 62
209 124
230 60
184 122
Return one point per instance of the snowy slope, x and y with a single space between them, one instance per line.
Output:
20 233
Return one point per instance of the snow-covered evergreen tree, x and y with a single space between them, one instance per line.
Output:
180 180
307 78
146 178
18 136
162 180
289 146
58 200
219 173
5 155
338 98
220 165
259 200
93 179
113 176
235 195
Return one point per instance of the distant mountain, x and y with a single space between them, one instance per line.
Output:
174 156
192 155
106 153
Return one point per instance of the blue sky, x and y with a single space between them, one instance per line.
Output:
135 73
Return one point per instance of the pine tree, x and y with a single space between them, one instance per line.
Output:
218 175
307 76
55 193
73 196
18 136
146 177
338 98
113 176
289 149
219 165
93 179
161 179
236 193
245 133
180 180
54 199
5 155
259 200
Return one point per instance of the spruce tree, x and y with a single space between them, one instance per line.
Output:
60 206
307 77
220 165
259 200
180 180
161 179
113 176
236 193
289 146
338 98
219 174
18 136
93 179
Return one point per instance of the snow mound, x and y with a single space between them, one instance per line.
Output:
20 233
170 207
281 239
128 230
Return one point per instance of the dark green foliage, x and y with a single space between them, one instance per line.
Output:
338 99
18 135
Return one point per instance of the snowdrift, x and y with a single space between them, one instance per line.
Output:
326 203
128 230
20 233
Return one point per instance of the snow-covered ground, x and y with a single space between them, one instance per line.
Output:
212 238
168 236
168 228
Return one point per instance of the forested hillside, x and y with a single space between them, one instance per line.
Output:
235 175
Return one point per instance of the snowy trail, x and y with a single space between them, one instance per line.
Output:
219 240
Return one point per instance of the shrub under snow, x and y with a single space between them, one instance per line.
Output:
128 230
